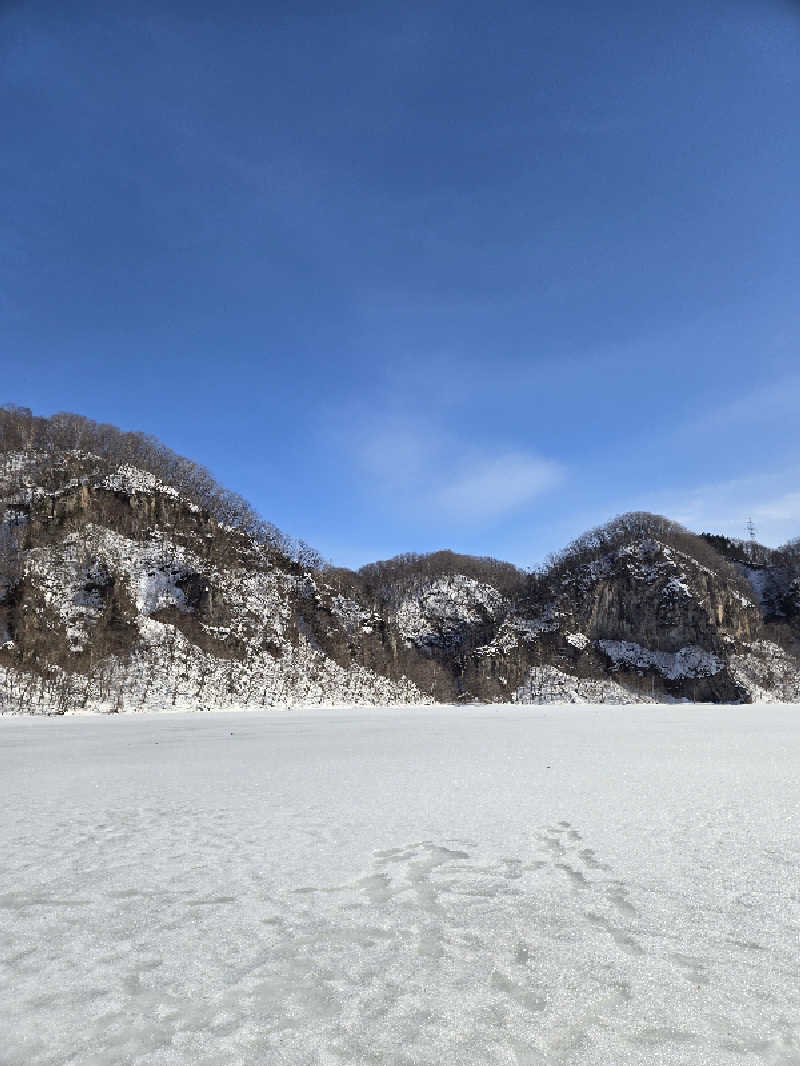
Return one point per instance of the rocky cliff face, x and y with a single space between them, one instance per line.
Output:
640 606
118 591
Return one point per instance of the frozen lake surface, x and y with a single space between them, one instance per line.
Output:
467 887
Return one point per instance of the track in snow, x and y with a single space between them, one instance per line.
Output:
405 888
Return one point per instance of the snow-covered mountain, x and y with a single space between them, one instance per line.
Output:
130 580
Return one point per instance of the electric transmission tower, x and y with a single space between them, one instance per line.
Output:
750 529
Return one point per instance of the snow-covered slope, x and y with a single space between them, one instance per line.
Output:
548 684
127 586
116 605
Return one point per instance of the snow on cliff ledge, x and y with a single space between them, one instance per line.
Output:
690 661
130 480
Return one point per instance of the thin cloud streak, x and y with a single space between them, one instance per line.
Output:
497 486
417 466
725 507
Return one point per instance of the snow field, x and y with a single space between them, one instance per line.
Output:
527 885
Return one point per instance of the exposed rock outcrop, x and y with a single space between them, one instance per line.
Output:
120 590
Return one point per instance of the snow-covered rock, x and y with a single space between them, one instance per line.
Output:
548 684
130 480
118 589
686 662
444 612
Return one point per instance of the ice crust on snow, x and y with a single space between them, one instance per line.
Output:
569 886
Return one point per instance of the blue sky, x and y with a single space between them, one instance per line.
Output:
420 275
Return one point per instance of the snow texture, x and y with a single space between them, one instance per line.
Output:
578 640
766 673
130 480
169 674
166 672
487 887
443 612
68 575
649 561
516 630
238 631
690 661
548 684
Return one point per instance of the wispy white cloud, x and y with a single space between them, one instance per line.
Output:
771 500
496 486
417 465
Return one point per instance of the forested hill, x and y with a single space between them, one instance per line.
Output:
129 580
